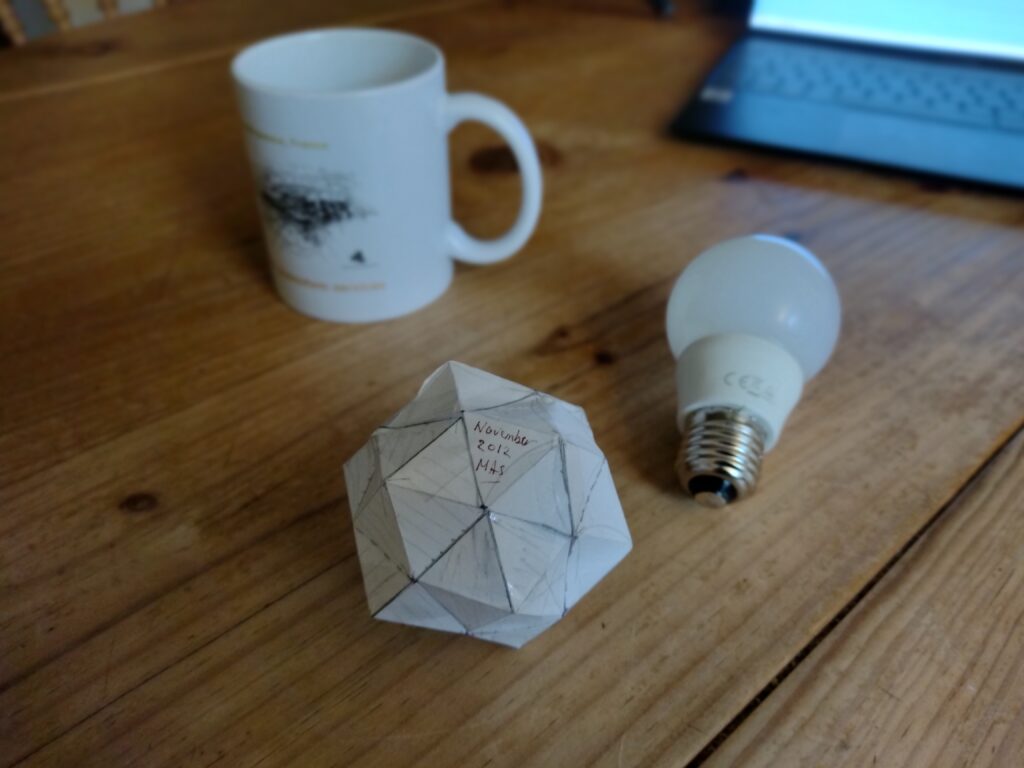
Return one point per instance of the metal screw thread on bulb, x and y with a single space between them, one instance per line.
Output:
720 456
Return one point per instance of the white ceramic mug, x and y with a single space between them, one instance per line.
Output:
347 131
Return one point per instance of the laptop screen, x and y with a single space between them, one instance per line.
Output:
982 27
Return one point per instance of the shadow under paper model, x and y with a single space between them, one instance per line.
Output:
305 206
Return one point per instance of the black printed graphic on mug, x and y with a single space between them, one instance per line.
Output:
359 258
304 206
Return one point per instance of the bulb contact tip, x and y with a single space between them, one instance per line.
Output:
720 456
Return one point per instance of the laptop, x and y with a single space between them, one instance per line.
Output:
930 86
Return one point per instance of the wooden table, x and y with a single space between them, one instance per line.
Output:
179 580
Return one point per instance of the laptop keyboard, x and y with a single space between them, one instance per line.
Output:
983 96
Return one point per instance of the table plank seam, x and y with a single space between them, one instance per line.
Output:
712 746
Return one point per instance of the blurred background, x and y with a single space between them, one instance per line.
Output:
24 20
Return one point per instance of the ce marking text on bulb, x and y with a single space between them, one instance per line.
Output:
750 383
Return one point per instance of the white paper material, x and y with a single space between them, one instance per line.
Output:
483 507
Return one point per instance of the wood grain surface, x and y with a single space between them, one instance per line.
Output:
138 45
929 670
179 581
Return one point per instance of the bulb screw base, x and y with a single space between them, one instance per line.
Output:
720 457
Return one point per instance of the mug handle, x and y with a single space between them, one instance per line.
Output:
492 113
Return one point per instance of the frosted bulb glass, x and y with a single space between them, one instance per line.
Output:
762 285
749 321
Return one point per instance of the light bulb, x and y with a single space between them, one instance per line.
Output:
749 321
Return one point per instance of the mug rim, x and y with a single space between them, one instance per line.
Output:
291 38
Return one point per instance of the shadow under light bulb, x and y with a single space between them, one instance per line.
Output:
749 321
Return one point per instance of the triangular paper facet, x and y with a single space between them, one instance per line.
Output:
396 446
362 476
414 605
382 577
602 516
527 553
515 630
528 413
471 568
470 613
590 560
548 596
441 469
582 468
501 453
539 495
478 390
569 421
437 400
429 525
377 523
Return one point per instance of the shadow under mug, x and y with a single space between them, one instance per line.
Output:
347 132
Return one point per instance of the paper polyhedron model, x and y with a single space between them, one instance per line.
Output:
483 507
